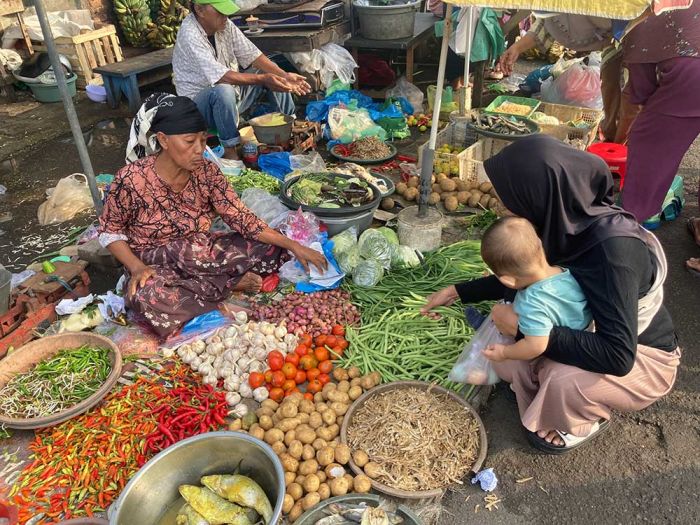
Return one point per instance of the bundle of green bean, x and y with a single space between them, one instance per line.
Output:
56 384
395 339
254 179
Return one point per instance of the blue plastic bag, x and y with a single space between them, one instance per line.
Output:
318 111
276 164
307 287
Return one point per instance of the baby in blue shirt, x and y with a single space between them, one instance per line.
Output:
547 296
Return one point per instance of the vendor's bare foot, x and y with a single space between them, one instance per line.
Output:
693 264
694 228
250 282
231 154
551 436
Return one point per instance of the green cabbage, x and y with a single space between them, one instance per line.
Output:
345 249
405 257
367 273
374 245
389 234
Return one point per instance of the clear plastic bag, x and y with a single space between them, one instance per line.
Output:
345 249
349 125
331 61
66 200
368 273
292 272
472 367
404 89
375 246
307 163
579 86
261 203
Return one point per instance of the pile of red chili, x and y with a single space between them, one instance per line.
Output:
82 465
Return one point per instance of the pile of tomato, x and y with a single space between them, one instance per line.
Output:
309 366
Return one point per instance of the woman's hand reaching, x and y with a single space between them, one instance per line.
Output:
444 297
139 278
307 256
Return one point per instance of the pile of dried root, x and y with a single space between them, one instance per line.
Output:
422 440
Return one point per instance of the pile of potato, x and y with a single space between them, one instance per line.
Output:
304 435
452 192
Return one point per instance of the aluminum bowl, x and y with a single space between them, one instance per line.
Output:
153 491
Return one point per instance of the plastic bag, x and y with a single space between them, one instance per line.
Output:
447 104
405 257
404 89
345 249
577 86
373 245
66 200
309 163
261 203
200 327
472 367
349 125
293 272
275 164
368 273
330 61
301 226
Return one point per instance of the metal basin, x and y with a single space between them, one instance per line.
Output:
272 135
153 491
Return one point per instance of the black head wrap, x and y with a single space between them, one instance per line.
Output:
567 194
178 115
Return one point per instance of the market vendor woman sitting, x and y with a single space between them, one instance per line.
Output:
157 219
630 360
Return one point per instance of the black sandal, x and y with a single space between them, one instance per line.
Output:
570 442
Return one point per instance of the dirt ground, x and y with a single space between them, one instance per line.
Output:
645 469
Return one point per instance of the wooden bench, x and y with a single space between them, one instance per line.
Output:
126 77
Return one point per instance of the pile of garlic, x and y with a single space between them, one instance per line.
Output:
232 353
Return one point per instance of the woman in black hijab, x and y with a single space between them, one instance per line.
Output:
630 360
158 215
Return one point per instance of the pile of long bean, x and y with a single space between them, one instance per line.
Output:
56 384
254 179
395 339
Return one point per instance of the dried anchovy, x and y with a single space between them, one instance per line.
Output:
421 440
370 148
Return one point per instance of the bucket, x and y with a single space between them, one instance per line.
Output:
5 284
420 233
278 135
50 93
336 225
386 22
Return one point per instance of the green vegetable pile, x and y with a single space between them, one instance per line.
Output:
327 190
56 384
253 179
395 339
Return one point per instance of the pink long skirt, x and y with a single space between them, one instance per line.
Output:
554 396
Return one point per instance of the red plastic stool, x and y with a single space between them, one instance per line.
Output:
614 155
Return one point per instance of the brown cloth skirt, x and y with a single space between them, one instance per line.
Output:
554 396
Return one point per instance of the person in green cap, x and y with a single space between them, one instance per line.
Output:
225 74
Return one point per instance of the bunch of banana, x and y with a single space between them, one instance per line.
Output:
134 17
163 31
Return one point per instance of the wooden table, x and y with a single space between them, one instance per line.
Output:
126 77
294 41
423 28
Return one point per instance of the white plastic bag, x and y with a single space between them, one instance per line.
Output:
307 163
472 367
408 91
579 86
331 61
66 200
261 203
349 125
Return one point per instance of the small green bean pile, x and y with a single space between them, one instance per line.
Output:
56 384
254 179
395 339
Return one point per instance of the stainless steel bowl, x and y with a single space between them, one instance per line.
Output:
152 492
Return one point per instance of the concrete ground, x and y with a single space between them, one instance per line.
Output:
645 469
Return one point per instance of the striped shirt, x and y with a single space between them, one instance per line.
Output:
197 65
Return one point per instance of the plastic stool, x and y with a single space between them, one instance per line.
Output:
614 155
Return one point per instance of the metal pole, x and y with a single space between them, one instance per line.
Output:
467 58
68 104
426 169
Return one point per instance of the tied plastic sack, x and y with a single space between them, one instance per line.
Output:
345 249
472 368
578 86
301 226
66 200
261 203
348 125
404 89
330 61
447 104
378 246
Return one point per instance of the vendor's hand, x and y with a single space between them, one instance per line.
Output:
505 319
299 82
508 59
139 278
277 83
307 256
495 353
444 297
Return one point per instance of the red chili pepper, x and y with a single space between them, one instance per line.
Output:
270 283
405 158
